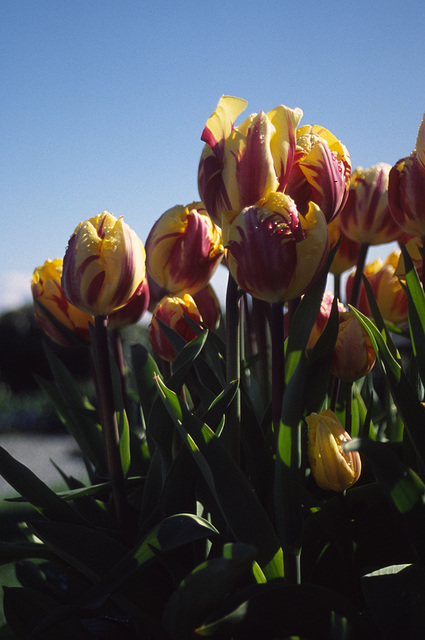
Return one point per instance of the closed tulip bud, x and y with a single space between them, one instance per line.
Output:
183 249
209 306
103 266
46 290
406 193
272 252
131 312
354 355
420 144
240 165
322 318
172 311
366 216
333 469
347 253
320 172
389 294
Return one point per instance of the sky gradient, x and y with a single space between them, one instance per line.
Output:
104 102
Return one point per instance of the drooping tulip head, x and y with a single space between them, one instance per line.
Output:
103 266
172 311
366 216
183 249
321 171
389 294
46 289
240 165
272 252
333 469
354 355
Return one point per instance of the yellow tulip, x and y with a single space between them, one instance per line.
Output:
103 266
183 249
333 469
46 289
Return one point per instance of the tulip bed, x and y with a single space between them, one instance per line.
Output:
258 470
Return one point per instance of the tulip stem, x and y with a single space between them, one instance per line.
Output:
278 365
109 422
357 283
232 436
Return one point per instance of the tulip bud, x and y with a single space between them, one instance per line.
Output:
333 469
406 194
347 253
183 249
172 312
354 355
103 266
420 144
46 289
208 305
322 318
131 312
389 294
240 165
366 216
320 172
272 252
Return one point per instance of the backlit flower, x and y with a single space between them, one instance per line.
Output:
103 266
46 290
272 252
183 249
366 216
333 469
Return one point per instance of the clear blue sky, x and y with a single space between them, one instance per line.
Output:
103 102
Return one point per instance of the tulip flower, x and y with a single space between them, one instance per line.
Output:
272 252
354 355
414 246
322 318
406 193
240 165
333 469
348 251
172 311
366 216
208 305
320 172
420 144
183 249
46 289
131 312
103 266
389 293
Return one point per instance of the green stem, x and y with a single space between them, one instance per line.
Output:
278 365
232 434
355 293
109 423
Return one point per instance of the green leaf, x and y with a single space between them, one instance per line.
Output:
145 369
416 306
240 507
35 491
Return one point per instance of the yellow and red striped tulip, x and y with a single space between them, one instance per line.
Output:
354 355
333 468
172 311
322 318
389 294
131 312
183 249
321 171
272 252
240 165
347 253
46 289
209 306
414 246
103 266
406 194
420 144
366 216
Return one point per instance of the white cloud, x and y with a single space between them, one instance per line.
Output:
15 290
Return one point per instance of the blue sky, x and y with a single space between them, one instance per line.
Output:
103 102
